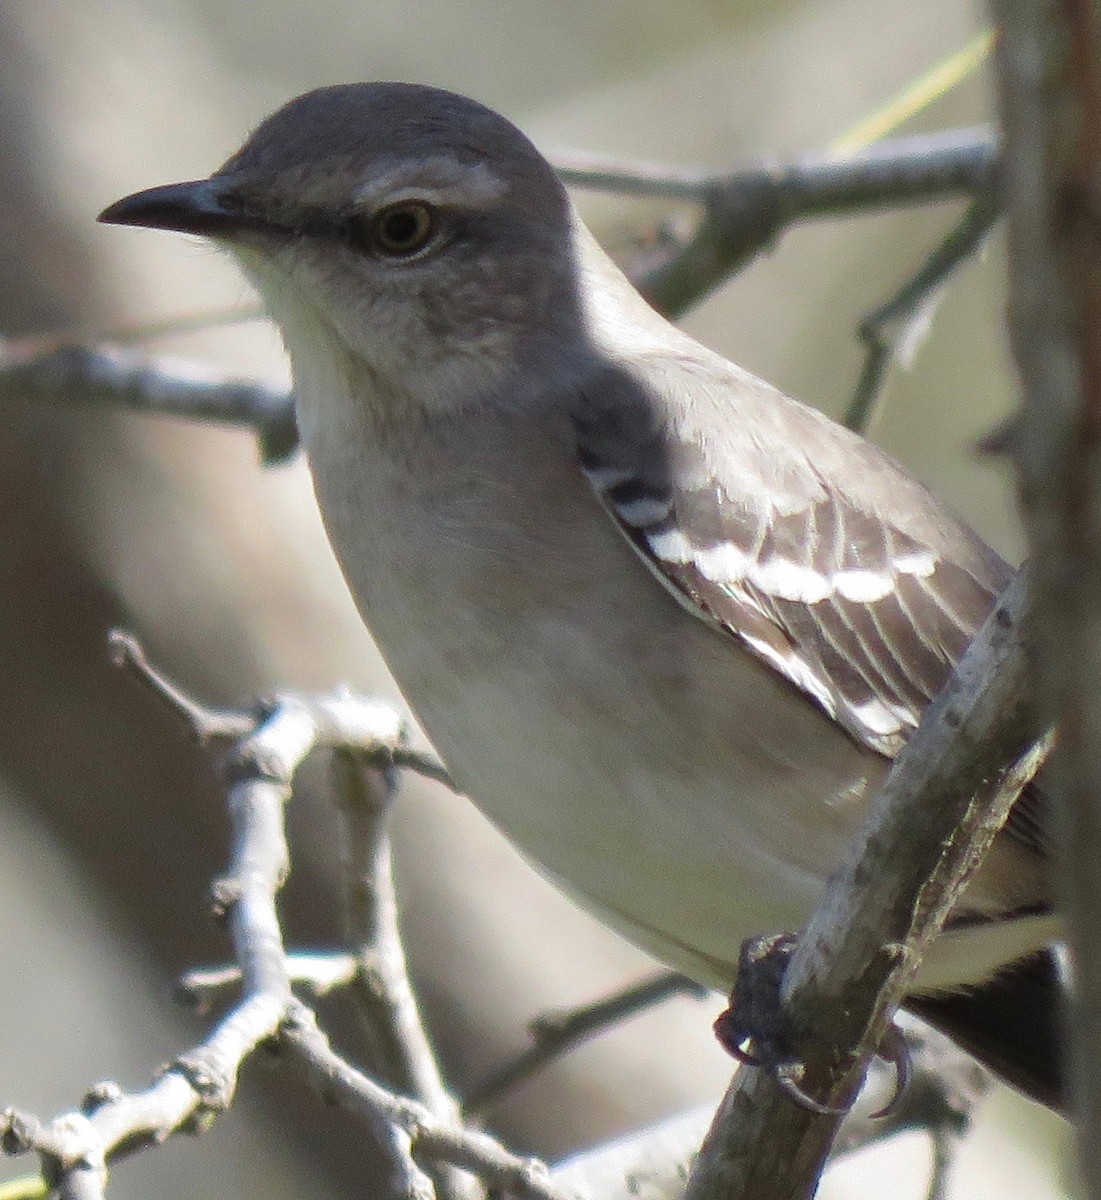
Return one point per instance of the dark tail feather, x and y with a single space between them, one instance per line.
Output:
1011 1024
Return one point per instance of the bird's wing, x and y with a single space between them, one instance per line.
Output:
802 540
808 544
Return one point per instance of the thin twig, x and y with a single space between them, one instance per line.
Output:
629 177
205 723
422 763
889 331
945 1146
140 331
316 974
921 167
201 1082
401 1050
338 720
554 1034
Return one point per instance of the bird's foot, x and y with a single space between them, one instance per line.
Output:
755 1031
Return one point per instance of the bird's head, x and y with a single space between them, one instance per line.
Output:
396 230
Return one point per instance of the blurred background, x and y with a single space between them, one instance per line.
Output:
112 822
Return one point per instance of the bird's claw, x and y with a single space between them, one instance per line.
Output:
753 1029
895 1049
787 1076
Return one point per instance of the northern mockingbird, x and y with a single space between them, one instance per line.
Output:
666 626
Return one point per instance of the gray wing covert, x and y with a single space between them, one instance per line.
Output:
805 542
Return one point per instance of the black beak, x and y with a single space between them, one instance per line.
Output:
198 207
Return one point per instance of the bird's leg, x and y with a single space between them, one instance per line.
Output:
754 1028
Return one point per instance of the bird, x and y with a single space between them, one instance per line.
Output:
666 626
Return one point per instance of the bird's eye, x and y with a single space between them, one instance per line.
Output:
402 229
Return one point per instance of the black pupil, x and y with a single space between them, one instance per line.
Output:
402 228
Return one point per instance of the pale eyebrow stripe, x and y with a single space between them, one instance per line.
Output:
440 180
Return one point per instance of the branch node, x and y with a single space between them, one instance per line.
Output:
213 1084
100 1094
224 894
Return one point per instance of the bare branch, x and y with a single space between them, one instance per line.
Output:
889 332
554 1034
892 171
654 1163
75 1148
944 799
205 723
317 974
431 1139
92 377
401 1050
625 177
1049 80
339 720
201 1082
402 1053
746 212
